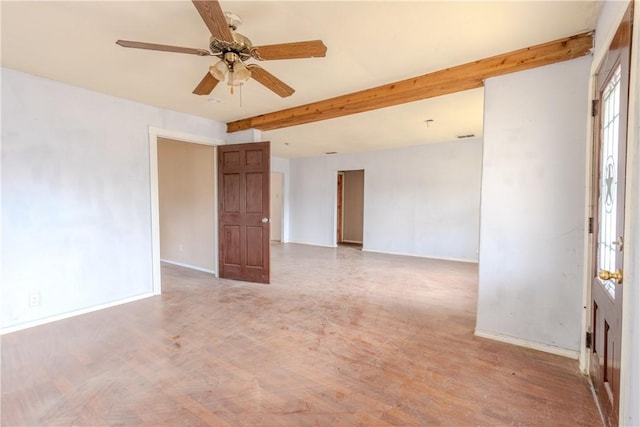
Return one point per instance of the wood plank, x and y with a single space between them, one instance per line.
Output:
450 80
163 47
270 81
305 49
213 17
206 85
341 337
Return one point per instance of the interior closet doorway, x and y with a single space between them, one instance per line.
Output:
350 207
277 205
187 204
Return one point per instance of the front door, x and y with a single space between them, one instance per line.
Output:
610 133
243 207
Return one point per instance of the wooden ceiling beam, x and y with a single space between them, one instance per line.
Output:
450 80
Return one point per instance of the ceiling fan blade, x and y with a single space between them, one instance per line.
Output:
306 49
206 85
163 47
270 81
213 17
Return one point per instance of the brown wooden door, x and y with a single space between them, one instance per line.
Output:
243 210
610 134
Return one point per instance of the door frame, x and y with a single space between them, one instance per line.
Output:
341 210
339 226
154 134
634 83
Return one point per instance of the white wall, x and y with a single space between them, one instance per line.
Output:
244 136
421 200
532 211
76 214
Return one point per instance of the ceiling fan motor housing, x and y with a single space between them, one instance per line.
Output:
241 46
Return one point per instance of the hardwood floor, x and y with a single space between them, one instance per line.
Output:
340 338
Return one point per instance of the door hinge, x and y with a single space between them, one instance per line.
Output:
594 107
590 225
587 340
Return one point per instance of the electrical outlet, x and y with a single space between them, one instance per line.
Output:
34 299
180 247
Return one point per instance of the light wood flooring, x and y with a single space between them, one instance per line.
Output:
340 338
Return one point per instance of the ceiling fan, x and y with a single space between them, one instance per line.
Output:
233 49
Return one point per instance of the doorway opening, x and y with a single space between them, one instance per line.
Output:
277 205
156 134
350 208
186 190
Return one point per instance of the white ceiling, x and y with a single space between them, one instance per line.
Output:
369 43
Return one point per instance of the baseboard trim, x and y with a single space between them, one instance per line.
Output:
351 241
74 313
571 354
312 244
471 261
193 267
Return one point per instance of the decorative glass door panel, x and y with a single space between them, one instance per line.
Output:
609 239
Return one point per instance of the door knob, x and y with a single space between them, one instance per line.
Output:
265 220
607 275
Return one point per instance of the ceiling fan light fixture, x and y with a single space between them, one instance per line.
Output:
231 81
241 73
235 80
219 70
